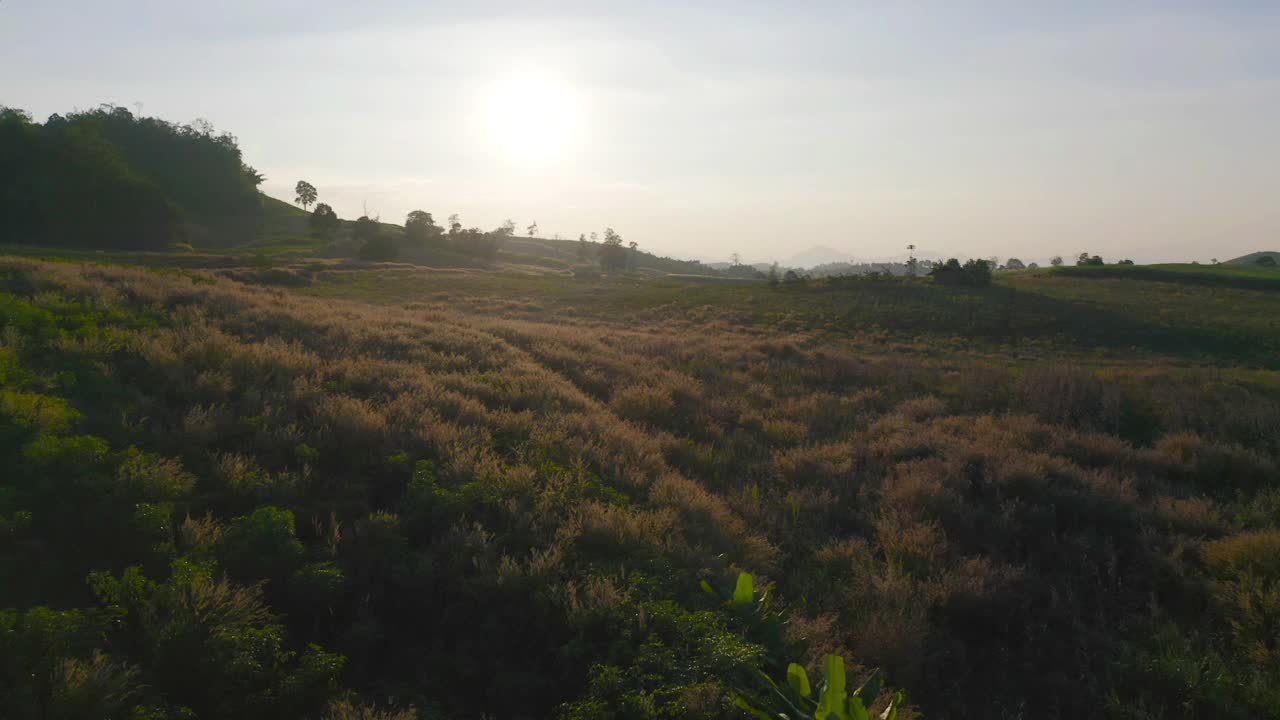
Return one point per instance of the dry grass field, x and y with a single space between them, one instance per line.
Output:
465 492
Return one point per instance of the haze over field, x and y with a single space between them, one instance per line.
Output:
1141 129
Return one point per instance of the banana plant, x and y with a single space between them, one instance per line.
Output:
796 700
755 615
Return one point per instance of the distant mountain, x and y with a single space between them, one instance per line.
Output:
1253 257
820 255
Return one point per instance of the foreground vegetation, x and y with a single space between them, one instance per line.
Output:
316 489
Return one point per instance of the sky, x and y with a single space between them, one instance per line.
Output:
1008 128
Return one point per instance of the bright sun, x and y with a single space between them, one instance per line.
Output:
530 117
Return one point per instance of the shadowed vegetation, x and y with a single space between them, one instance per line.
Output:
249 491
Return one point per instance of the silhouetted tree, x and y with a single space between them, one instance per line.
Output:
612 254
1087 259
323 220
533 229
420 227
1056 261
306 194
948 273
978 272
507 228
477 243
1014 264
365 228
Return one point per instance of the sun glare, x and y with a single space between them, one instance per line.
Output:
530 117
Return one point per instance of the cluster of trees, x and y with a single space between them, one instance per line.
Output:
911 267
422 232
973 273
378 242
108 179
1084 259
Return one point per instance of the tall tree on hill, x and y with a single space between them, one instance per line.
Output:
306 194
612 255
420 227
533 229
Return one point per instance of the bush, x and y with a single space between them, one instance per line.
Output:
323 220
261 545
379 248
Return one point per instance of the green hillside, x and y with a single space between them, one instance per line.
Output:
1253 258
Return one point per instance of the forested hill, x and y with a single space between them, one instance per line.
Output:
107 179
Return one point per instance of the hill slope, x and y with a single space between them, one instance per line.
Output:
1252 258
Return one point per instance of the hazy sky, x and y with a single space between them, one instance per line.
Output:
1010 128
